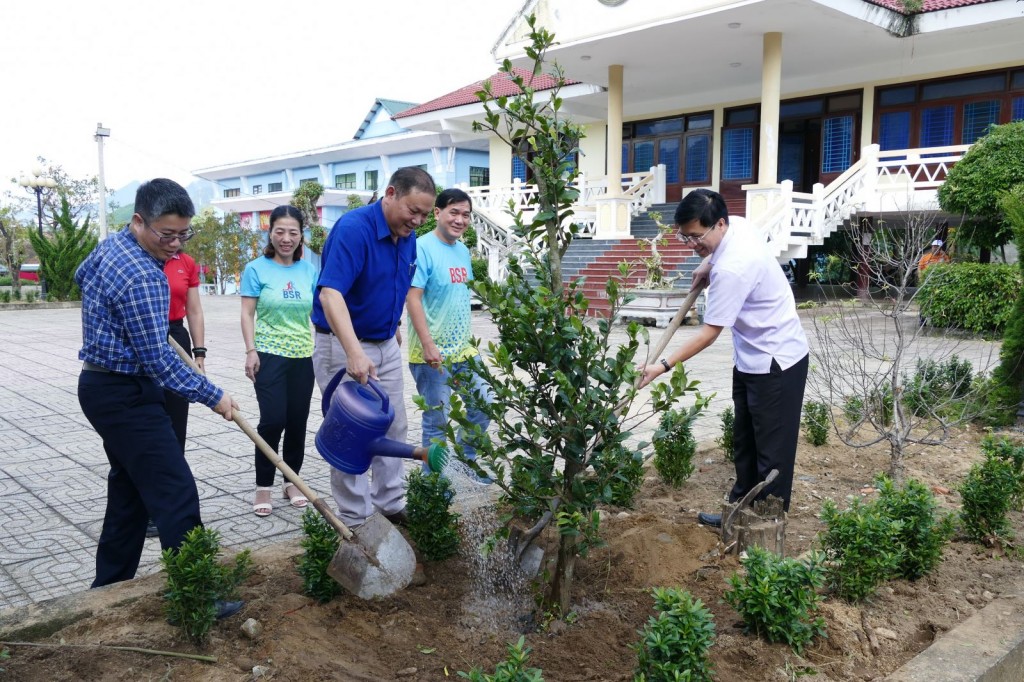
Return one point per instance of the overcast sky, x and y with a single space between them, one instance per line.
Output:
185 84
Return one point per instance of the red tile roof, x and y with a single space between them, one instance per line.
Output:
501 85
927 5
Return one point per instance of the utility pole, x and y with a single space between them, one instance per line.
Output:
101 133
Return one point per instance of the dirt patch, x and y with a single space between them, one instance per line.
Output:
457 620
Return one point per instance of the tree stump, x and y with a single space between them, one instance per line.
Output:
763 525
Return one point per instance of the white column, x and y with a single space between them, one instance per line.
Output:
612 219
771 89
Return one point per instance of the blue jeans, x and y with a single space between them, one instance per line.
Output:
432 384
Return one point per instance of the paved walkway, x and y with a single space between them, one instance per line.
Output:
53 470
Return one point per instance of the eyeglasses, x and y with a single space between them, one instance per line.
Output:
182 237
690 239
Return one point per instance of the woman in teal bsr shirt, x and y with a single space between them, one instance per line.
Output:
277 297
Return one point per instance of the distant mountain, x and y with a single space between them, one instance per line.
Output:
201 191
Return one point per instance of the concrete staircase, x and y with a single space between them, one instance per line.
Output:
598 259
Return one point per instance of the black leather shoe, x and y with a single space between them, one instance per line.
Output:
151 530
399 518
713 520
226 609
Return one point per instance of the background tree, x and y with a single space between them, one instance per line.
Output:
304 198
61 252
991 167
558 382
82 194
1008 378
13 243
875 358
223 246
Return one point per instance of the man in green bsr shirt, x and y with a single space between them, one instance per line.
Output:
439 314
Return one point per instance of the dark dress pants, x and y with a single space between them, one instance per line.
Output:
768 408
177 406
284 387
149 477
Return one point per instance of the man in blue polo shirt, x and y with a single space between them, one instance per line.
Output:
368 262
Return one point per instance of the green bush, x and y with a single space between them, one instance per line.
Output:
861 548
674 447
816 423
975 297
196 579
320 542
1012 452
935 384
61 253
675 642
512 669
433 528
988 492
621 471
480 270
777 597
5 297
726 440
30 296
923 532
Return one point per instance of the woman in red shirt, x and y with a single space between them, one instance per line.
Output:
183 277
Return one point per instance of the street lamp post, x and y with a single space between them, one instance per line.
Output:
37 183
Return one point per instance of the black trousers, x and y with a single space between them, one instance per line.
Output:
284 387
767 427
148 478
177 406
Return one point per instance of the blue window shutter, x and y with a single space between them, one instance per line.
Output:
937 126
978 116
518 168
698 150
837 144
1018 109
894 130
738 154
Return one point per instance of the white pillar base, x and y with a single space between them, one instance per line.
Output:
612 218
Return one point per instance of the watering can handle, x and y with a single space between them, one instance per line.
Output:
325 400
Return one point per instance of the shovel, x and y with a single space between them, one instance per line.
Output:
373 561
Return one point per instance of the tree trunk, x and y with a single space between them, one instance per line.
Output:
561 581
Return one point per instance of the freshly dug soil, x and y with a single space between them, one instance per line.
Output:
458 619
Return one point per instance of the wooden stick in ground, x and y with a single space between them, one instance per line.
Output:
138 650
269 452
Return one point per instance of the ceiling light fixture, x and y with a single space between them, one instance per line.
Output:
734 24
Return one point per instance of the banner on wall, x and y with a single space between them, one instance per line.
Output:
264 220
245 221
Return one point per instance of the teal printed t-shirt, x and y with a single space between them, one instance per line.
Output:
443 271
285 296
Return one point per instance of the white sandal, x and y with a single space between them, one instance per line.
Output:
262 503
298 500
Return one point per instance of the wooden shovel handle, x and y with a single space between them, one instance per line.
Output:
275 458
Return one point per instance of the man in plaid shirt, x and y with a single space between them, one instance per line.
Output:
127 364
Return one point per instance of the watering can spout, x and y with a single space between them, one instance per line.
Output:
356 419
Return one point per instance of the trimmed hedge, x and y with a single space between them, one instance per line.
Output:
975 297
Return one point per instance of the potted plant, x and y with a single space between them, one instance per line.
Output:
655 299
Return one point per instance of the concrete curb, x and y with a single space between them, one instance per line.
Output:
987 647
44 305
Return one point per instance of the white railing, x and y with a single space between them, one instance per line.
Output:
794 220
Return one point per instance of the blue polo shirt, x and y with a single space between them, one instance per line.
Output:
371 271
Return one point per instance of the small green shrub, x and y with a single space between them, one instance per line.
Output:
512 669
816 423
6 280
621 472
853 409
726 440
5 297
320 542
30 297
975 297
777 597
861 548
433 528
924 531
675 642
480 273
196 579
1012 452
935 384
674 447
988 493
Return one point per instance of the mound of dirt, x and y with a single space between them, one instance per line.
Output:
467 610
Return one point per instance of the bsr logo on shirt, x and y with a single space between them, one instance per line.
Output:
459 275
291 292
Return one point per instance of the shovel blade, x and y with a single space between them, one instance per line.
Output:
377 562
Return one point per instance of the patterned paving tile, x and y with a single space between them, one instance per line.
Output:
54 575
32 531
40 466
11 593
16 442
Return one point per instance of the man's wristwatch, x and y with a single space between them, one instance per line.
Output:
664 363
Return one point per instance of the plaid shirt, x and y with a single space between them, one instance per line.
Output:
125 300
